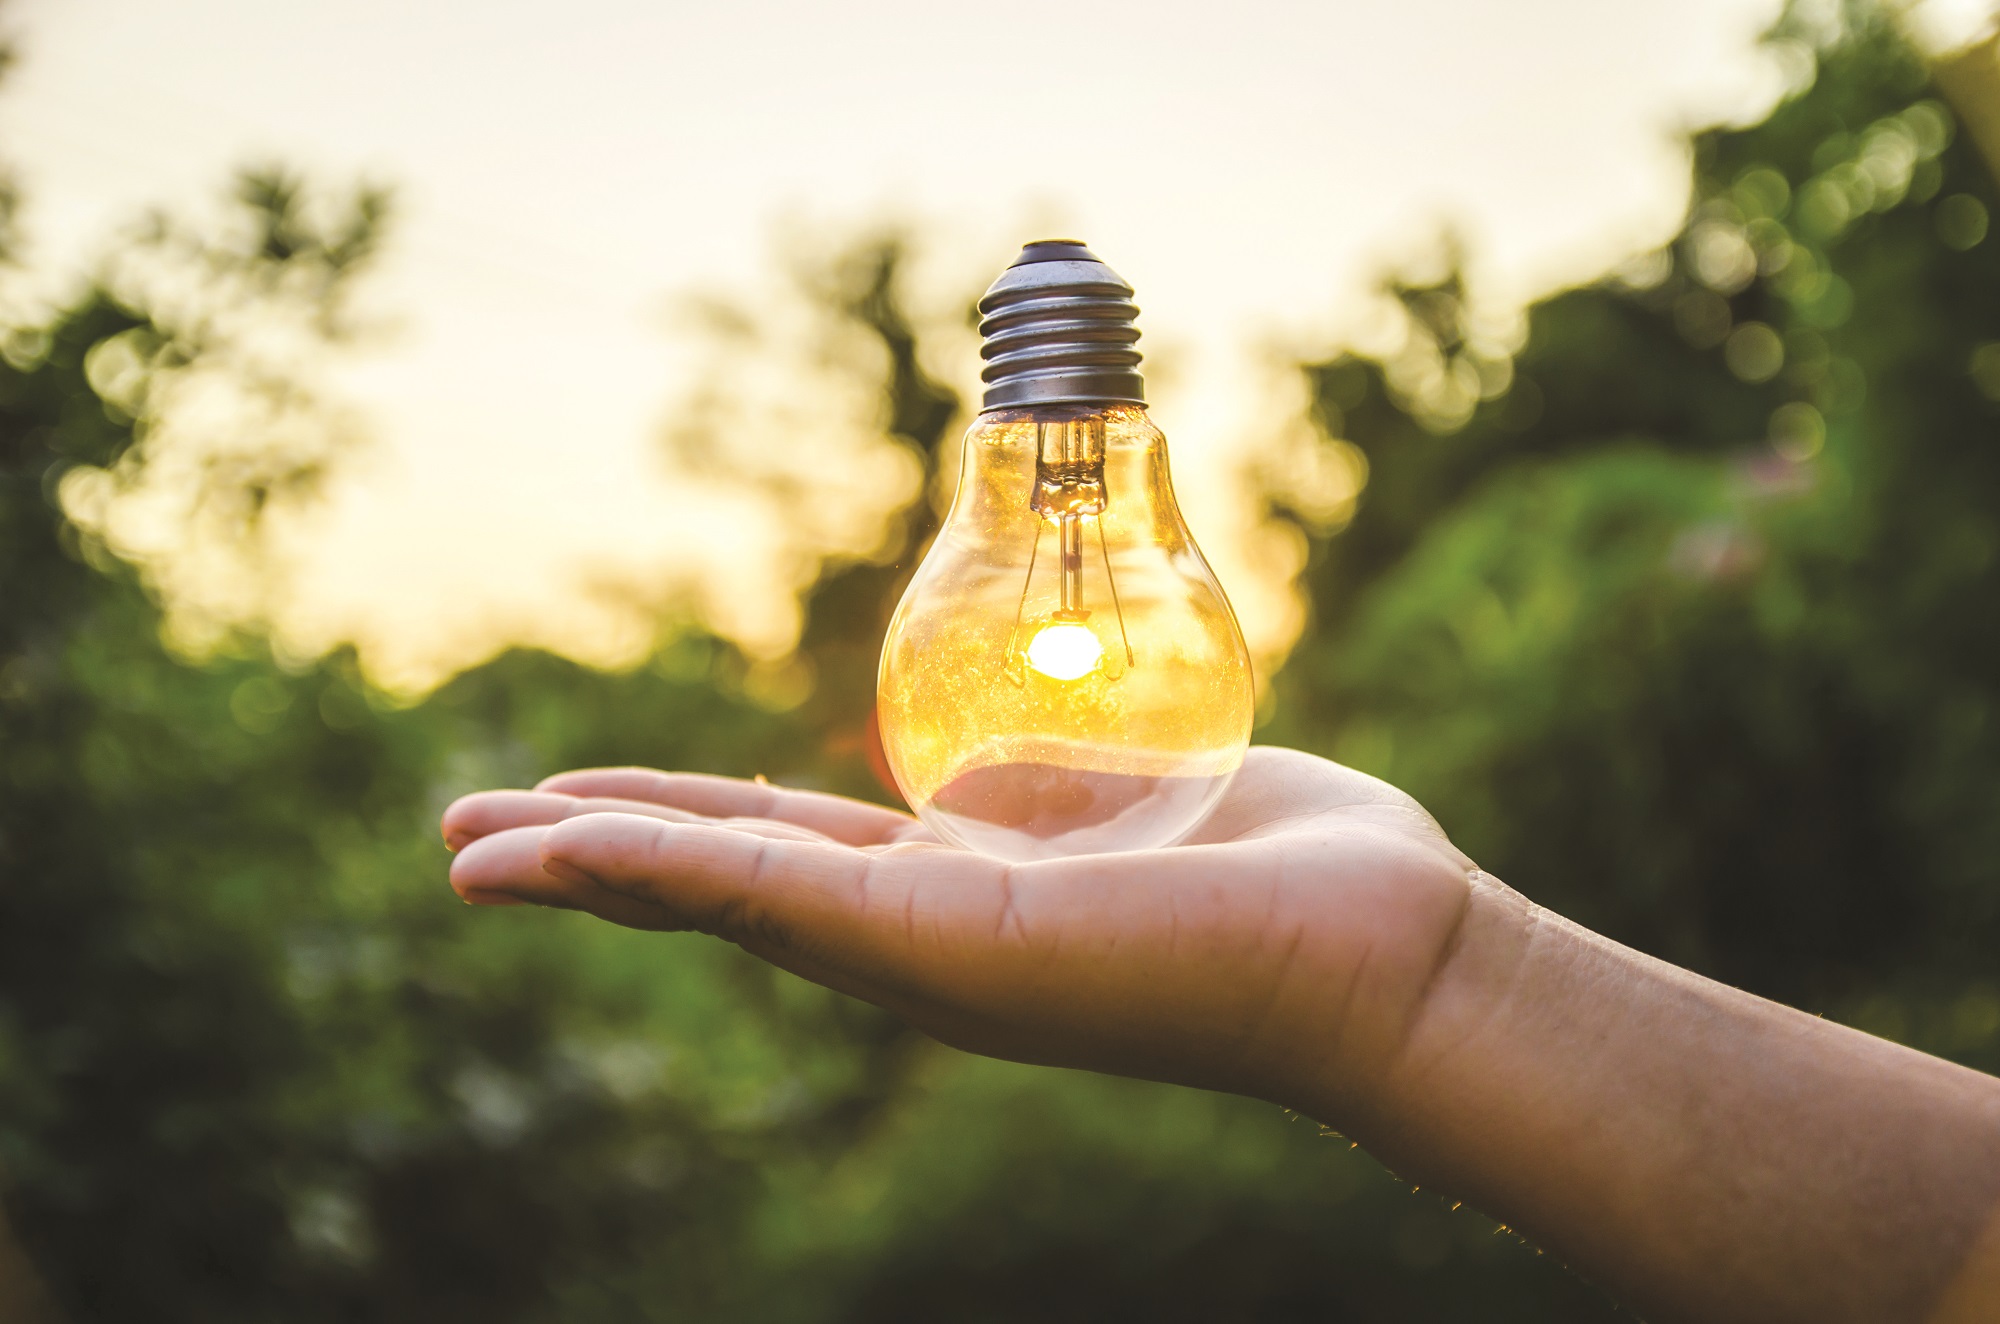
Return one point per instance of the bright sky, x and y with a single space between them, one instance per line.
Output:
566 170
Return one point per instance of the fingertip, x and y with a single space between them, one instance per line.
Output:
452 826
470 817
505 859
456 875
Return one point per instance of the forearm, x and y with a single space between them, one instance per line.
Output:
1706 1154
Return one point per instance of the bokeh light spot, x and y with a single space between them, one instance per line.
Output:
1754 352
1961 221
1797 431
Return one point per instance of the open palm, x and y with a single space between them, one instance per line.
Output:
1282 952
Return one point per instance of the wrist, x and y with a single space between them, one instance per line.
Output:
1402 1028
1425 1066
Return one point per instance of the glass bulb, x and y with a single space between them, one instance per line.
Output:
1064 675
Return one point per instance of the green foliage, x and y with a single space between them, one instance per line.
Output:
250 1051
1689 630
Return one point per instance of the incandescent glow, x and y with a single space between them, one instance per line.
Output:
1046 695
1064 650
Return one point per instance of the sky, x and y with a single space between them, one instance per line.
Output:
566 173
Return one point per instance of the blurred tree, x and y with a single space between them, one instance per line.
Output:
252 1062
848 608
871 427
1684 616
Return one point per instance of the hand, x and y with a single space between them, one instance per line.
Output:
1284 952
1709 1155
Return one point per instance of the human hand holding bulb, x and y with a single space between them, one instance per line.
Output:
1312 906
1063 678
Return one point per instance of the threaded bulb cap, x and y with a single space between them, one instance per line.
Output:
1059 327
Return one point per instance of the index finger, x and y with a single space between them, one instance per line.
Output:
851 822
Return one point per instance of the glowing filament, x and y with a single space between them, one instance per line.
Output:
1064 650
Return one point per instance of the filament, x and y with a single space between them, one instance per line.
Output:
1069 488
1111 582
1021 608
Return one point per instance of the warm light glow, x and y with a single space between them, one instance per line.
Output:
1064 650
1015 724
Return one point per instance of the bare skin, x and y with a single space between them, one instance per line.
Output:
1705 1154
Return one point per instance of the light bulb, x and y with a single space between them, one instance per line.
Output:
1064 675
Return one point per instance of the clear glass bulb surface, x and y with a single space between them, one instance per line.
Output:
1064 675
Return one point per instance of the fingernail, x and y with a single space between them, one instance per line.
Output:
457 841
479 896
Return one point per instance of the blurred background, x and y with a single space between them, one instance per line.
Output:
1594 412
